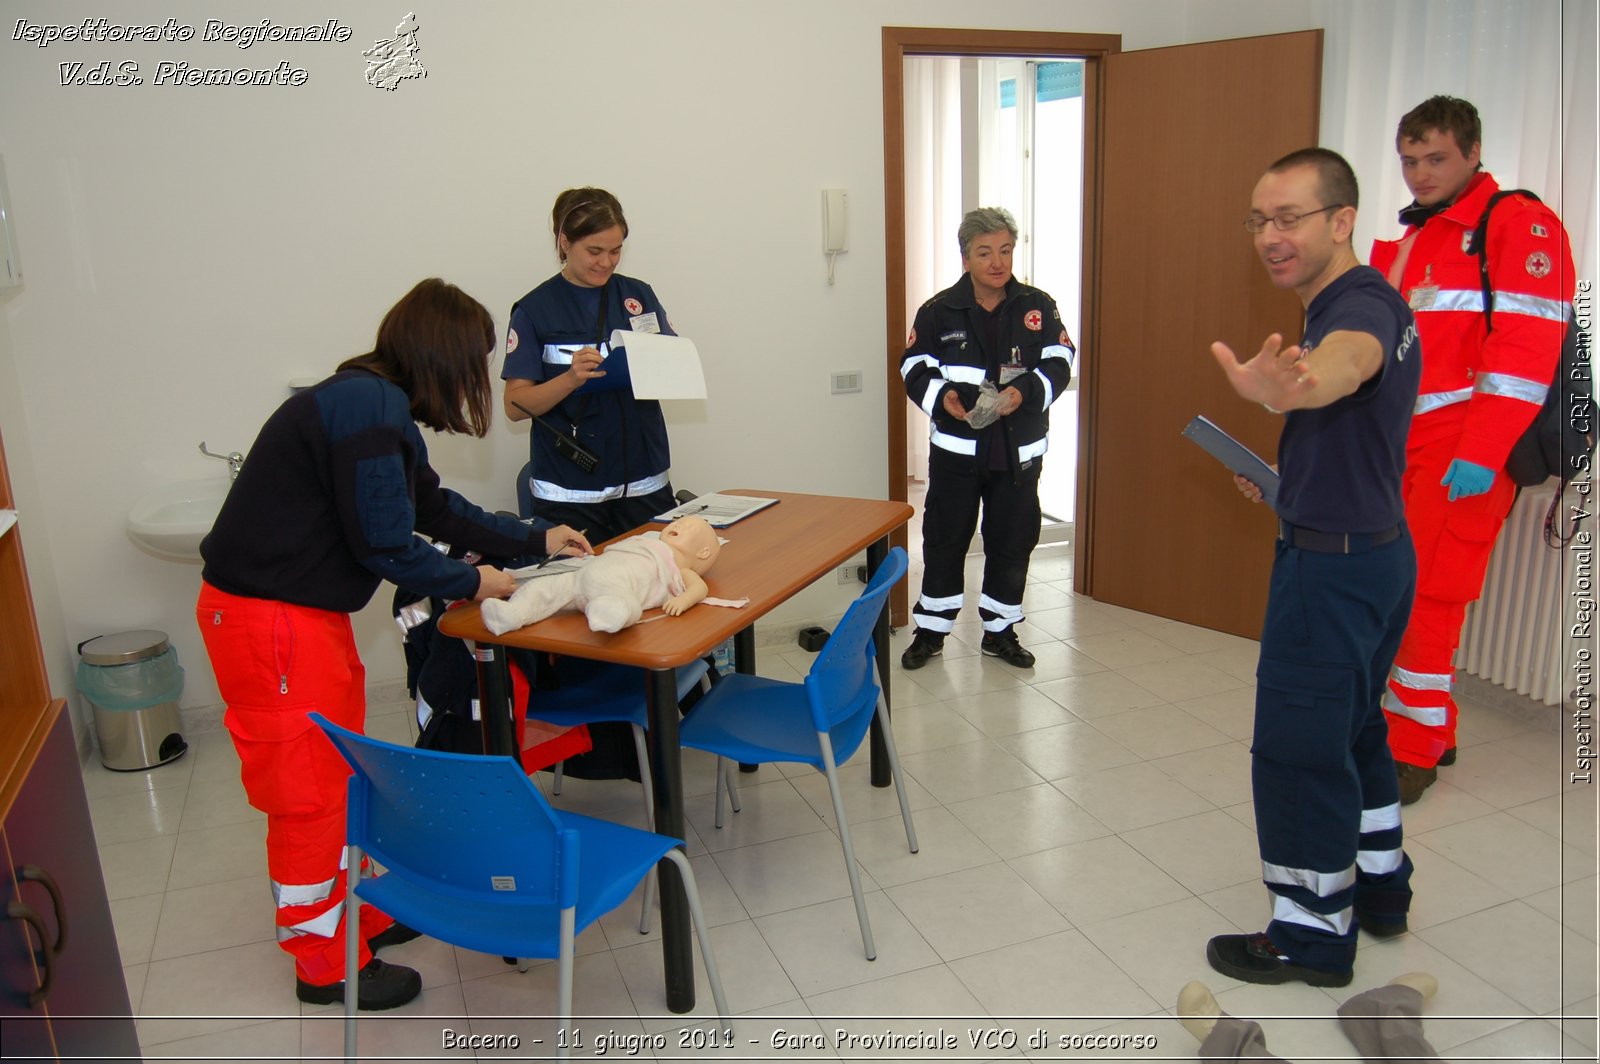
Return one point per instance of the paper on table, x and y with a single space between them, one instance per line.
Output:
663 367
1235 455
550 568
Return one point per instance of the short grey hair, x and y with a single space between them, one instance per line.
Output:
982 221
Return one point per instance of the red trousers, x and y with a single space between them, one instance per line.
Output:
275 663
1453 541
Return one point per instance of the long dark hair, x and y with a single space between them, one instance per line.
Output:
435 345
581 212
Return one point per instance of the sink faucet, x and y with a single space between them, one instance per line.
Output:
234 459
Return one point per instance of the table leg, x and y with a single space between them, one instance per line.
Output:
744 661
881 774
494 700
677 955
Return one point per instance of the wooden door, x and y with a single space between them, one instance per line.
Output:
1185 132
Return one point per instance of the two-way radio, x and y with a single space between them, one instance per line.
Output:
566 446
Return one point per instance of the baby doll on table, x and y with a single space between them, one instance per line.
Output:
614 589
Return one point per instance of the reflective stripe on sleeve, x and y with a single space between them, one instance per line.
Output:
1061 351
1431 401
561 354
1532 306
1504 384
964 374
1029 451
1049 390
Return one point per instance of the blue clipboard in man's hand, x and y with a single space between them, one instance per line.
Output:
1235 455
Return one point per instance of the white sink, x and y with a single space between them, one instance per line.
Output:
172 519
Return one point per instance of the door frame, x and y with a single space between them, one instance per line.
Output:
900 42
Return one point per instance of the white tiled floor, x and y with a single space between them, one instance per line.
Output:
1084 829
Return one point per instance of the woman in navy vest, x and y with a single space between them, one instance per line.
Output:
599 455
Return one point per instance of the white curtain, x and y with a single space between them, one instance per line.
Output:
933 204
1527 65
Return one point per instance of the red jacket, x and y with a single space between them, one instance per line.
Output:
1483 387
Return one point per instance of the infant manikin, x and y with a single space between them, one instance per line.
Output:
613 589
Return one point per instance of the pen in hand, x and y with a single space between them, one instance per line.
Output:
558 554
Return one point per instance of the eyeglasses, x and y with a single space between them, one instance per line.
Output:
1285 222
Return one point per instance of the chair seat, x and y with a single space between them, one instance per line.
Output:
755 720
607 693
611 861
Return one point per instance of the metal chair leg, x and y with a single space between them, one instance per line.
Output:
716 796
648 784
564 965
894 766
697 914
844 841
555 788
352 949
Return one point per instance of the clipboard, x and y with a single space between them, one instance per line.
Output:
1235 455
719 510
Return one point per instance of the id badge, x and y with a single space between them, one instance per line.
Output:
1013 368
1423 295
645 323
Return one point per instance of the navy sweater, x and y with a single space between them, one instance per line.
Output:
330 501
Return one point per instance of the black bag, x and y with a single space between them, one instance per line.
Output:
1561 440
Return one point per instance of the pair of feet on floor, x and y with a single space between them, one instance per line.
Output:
1254 959
379 985
1414 779
1002 645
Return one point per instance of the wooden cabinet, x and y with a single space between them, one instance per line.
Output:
62 993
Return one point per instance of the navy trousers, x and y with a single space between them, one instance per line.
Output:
957 491
1326 801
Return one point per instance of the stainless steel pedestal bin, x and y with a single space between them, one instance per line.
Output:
132 681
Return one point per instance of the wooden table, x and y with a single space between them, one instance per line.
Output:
769 557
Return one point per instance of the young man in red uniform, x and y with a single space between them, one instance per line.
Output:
1481 389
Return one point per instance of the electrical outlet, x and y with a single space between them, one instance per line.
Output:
847 574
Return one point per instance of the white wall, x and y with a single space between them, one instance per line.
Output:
189 250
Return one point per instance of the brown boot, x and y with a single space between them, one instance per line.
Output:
1414 779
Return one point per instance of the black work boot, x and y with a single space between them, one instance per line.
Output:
379 986
392 935
1255 959
1413 779
1004 645
923 646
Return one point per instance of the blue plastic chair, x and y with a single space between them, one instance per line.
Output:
819 722
474 856
614 693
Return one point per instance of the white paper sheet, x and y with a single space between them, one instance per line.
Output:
662 367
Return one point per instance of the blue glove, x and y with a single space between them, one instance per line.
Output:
1465 479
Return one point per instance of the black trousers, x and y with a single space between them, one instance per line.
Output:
1009 504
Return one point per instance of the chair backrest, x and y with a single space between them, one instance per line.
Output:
465 822
842 686
525 487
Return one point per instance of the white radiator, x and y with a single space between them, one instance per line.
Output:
1513 633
